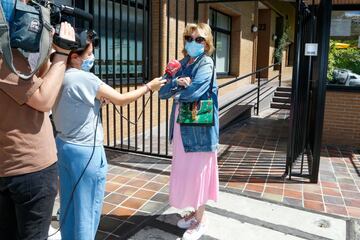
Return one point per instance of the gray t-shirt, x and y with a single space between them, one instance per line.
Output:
76 109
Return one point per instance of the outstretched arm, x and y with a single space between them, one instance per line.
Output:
107 92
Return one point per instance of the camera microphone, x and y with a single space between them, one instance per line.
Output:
73 11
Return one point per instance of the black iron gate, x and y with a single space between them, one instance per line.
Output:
137 39
123 62
308 91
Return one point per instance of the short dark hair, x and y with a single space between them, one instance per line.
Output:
79 52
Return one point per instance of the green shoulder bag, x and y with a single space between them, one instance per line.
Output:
198 113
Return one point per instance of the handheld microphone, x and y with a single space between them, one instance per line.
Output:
171 69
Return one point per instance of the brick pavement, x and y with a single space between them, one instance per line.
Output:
251 162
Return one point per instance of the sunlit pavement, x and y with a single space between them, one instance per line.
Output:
255 202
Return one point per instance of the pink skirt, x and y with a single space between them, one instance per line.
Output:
194 177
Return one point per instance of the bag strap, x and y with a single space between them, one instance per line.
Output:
45 42
213 72
212 78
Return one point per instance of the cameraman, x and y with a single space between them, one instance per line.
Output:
28 170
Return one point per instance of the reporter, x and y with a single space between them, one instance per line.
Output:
28 170
81 135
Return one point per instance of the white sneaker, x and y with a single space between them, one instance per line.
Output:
185 223
52 231
195 233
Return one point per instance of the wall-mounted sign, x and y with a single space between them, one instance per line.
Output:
311 49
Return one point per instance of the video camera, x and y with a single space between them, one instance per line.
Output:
58 14
31 29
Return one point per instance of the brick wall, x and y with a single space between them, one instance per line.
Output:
159 27
243 16
243 41
242 44
342 118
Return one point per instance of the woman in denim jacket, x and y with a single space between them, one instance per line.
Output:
194 172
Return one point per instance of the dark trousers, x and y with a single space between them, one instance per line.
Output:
26 204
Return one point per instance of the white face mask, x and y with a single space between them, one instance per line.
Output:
88 63
194 49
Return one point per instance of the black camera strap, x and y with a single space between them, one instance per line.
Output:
45 42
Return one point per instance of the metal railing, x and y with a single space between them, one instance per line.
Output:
260 86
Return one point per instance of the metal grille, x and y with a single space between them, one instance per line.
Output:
138 38
308 90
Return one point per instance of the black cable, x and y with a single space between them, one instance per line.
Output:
133 123
87 164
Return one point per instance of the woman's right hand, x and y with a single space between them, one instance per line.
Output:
67 32
156 84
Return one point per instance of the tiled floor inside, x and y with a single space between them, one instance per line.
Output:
251 162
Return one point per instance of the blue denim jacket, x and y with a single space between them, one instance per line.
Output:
194 138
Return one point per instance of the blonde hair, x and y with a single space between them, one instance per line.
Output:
204 31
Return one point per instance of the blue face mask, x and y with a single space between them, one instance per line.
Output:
8 7
88 63
194 49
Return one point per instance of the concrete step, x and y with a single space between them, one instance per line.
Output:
231 108
280 105
238 112
239 217
281 100
284 89
282 94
